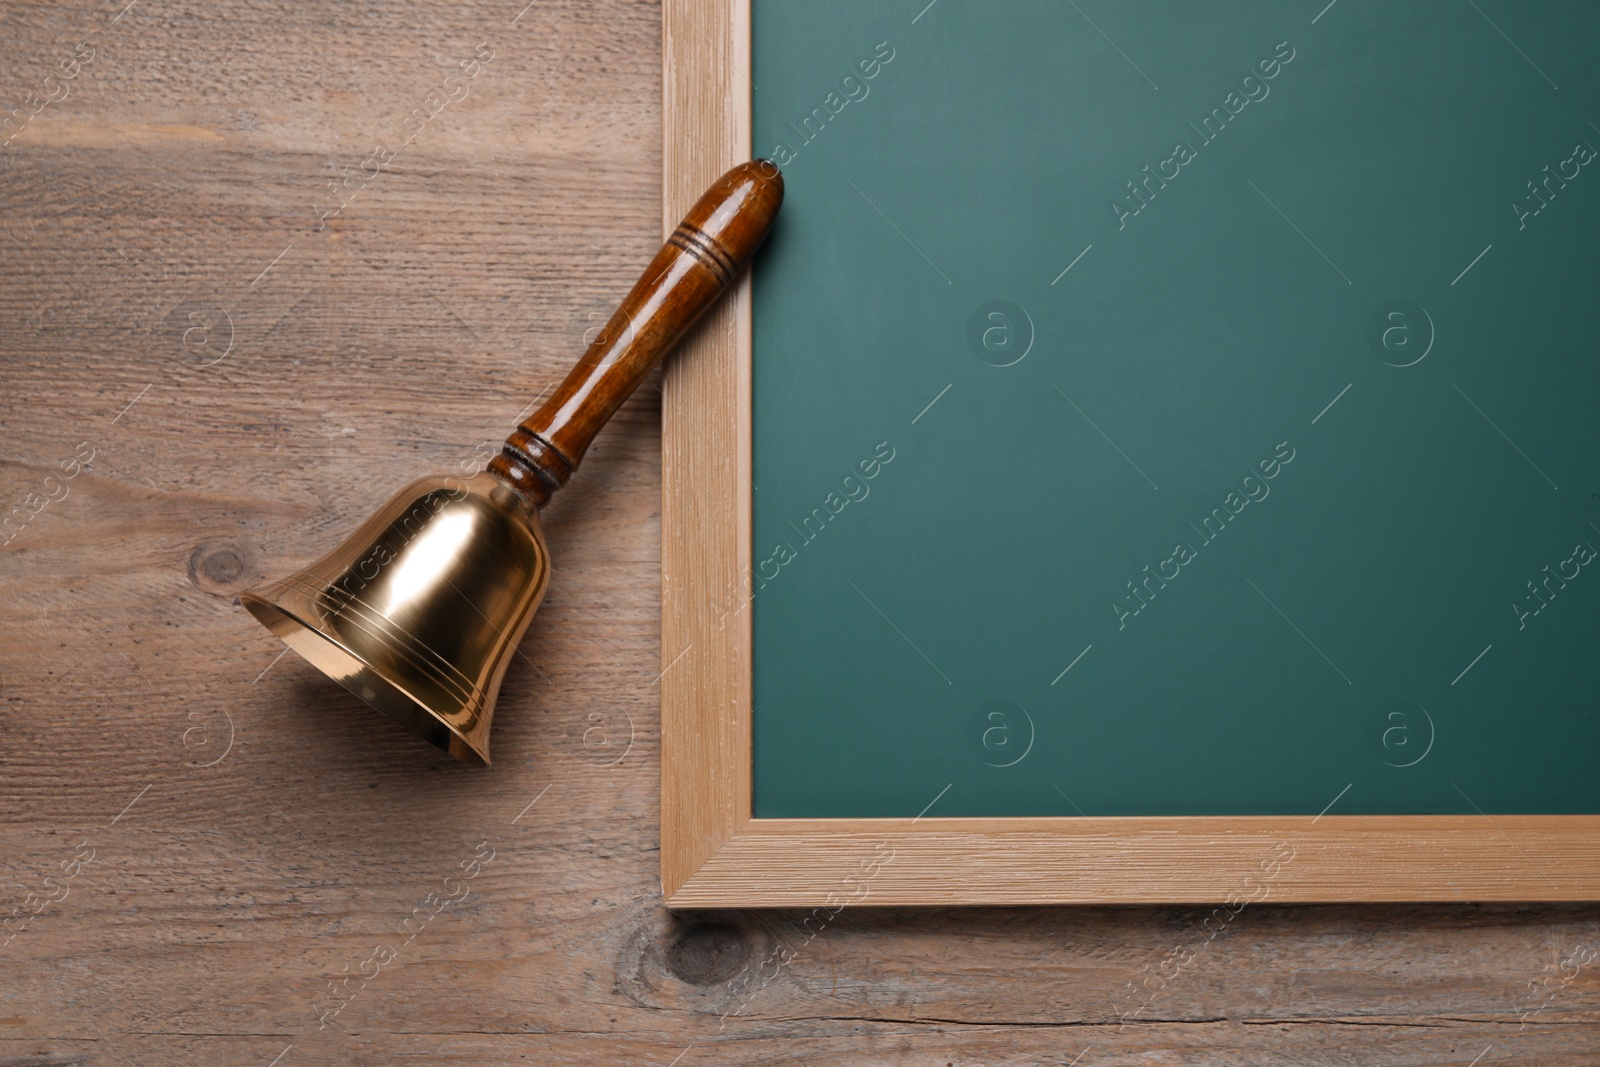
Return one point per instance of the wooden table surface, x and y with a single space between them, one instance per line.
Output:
229 278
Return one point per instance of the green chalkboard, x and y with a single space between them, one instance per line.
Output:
1174 409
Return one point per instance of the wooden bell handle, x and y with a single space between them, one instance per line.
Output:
701 259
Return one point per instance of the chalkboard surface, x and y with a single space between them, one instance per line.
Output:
1177 409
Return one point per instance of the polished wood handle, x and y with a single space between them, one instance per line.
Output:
699 261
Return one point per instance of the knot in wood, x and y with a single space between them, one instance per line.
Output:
707 954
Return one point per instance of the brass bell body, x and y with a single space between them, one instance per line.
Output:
418 612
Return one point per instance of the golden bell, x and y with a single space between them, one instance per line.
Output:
419 611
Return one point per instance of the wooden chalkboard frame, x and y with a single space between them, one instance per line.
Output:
714 854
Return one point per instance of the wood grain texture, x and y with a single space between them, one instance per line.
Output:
401 339
705 465
1237 860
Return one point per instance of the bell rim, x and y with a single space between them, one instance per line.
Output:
399 706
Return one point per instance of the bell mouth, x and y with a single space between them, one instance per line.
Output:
362 679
